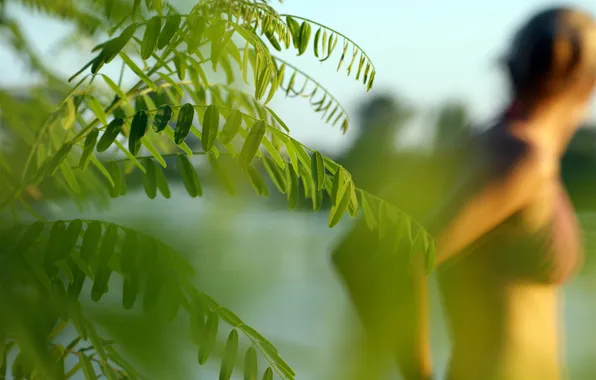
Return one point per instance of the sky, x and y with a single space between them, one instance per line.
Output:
425 51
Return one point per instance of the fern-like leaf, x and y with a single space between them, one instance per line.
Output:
100 249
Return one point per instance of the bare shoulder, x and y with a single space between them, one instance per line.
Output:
515 157
538 163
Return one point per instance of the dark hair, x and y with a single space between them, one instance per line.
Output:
550 50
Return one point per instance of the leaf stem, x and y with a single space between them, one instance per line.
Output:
317 83
333 31
117 100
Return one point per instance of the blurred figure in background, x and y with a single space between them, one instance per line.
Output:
381 120
452 127
578 169
506 234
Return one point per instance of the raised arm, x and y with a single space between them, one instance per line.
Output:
495 201
477 204
392 299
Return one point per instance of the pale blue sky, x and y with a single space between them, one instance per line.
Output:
426 51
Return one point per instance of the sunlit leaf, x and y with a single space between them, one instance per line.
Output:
229 359
305 30
324 45
278 119
271 37
115 46
294 29
369 214
217 47
150 37
293 188
59 157
231 126
318 170
180 65
162 183
137 131
366 71
162 117
354 205
371 81
221 174
110 134
245 61
268 145
338 210
229 316
210 127
339 179
197 320
268 374
263 79
150 178
317 200
200 72
190 179
89 145
185 117
344 126
197 30
251 368
208 345
97 109
257 182
70 178
169 30
291 83
97 63
316 42
252 142
276 174
184 147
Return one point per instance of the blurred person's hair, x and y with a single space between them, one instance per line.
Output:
551 52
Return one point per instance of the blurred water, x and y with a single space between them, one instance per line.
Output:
272 268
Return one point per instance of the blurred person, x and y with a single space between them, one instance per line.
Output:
381 120
452 125
506 234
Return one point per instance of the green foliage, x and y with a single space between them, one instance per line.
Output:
55 260
174 101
